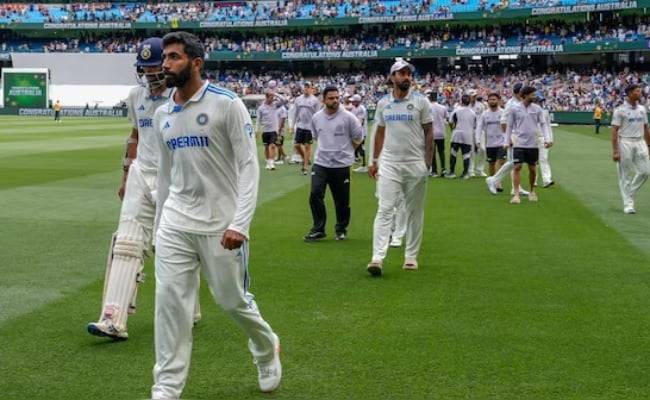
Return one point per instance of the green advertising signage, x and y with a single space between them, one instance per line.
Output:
24 87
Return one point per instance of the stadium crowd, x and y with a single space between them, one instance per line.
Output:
570 90
385 38
254 10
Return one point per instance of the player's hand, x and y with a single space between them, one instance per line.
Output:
616 156
548 144
232 240
372 171
121 191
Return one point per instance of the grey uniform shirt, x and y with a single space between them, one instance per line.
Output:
440 115
465 120
490 123
268 117
362 115
524 123
306 107
630 120
335 133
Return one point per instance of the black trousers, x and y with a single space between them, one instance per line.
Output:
338 180
439 146
597 123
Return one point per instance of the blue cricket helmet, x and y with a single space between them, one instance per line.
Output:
149 53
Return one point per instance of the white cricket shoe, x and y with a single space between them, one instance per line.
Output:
450 176
106 328
396 242
491 185
267 166
481 174
279 162
515 200
629 210
532 196
269 374
361 170
410 264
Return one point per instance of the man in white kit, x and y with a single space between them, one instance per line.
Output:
208 181
477 160
463 124
525 121
629 150
404 140
545 174
306 106
359 111
268 121
132 241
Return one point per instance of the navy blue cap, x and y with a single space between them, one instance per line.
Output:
149 53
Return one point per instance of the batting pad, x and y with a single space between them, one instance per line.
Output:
125 273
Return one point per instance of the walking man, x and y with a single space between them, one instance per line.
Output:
440 117
489 127
208 180
338 133
525 120
269 122
463 125
306 106
630 150
404 140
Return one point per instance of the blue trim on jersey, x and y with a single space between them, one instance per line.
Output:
223 92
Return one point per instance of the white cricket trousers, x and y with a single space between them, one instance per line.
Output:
179 256
477 159
633 168
506 168
395 179
544 165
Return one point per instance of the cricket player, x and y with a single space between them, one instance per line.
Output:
279 143
269 123
630 150
488 126
463 124
404 140
494 182
359 111
477 160
132 241
306 106
208 180
57 111
440 117
544 163
524 122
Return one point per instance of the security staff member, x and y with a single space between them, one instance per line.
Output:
338 133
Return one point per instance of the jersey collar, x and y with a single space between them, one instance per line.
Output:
406 98
172 107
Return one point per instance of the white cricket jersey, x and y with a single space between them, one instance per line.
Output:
306 107
282 118
141 107
478 108
403 119
465 120
439 115
362 115
630 120
524 123
549 131
490 123
208 175
512 102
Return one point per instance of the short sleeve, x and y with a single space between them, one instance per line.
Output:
617 119
425 114
379 114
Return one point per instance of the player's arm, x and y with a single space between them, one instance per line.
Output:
130 154
478 132
452 120
356 132
281 126
646 129
509 124
428 143
163 176
240 130
545 128
380 133
616 122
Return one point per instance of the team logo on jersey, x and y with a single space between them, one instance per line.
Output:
249 129
166 125
202 119
409 107
145 54
141 108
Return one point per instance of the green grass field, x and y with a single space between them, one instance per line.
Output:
536 301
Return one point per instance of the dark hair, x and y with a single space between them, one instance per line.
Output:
329 89
517 88
465 100
191 43
433 96
494 94
630 88
526 90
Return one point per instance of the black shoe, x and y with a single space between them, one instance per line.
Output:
548 185
314 236
341 236
500 190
